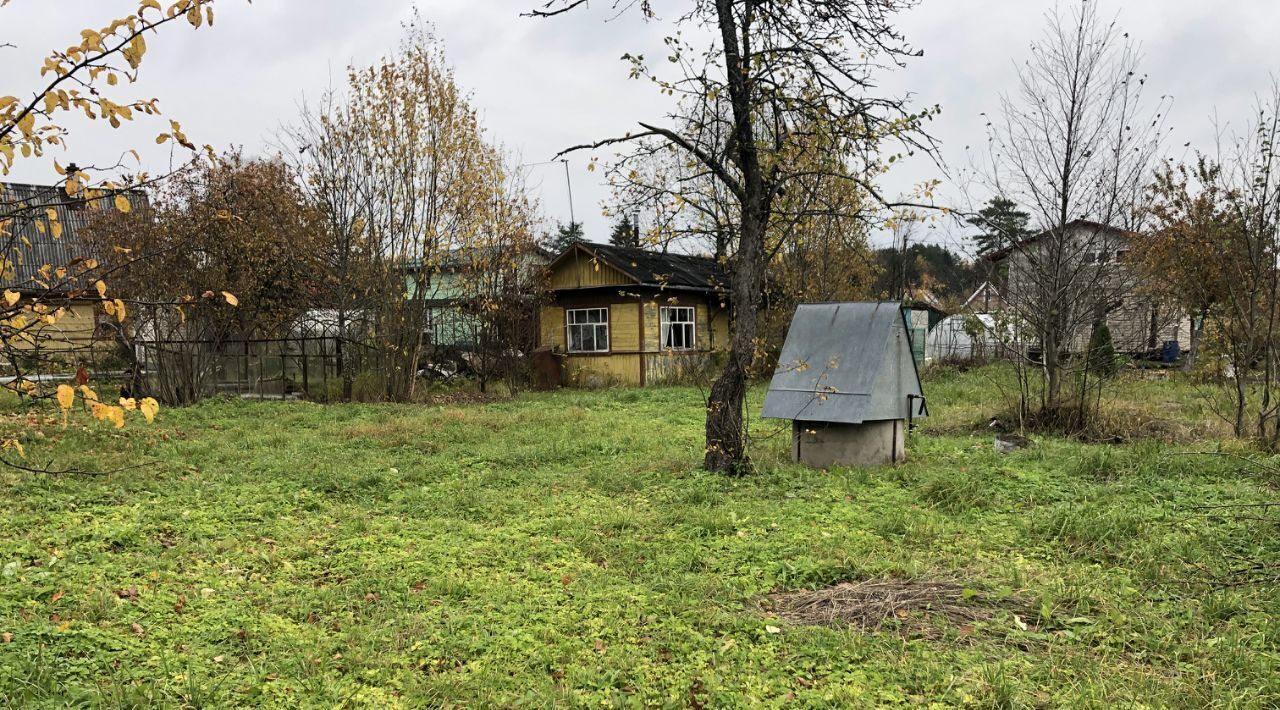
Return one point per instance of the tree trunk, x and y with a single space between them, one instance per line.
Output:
345 371
1240 402
1197 330
726 436
1049 355
726 433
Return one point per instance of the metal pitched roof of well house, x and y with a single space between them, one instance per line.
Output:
30 241
847 363
657 269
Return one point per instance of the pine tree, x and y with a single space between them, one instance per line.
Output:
625 233
1002 225
566 236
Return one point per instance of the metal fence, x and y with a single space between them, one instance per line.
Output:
267 368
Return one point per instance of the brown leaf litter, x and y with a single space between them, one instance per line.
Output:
911 606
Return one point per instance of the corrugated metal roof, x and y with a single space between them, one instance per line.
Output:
844 362
28 246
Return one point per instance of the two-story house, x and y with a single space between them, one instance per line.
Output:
1079 275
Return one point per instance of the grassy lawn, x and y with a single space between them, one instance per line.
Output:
563 549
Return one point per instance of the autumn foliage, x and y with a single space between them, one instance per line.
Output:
81 80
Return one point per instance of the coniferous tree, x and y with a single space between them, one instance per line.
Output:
1002 224
625 233
566 235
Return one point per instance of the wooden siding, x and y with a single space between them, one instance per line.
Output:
551 327
624 327
603 370
635 356
1130 325
581 271
701 327
73 331
652 338
719 330
674 367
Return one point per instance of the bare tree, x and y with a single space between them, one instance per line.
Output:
771 74
331 174
1251 175
1075 147
499 283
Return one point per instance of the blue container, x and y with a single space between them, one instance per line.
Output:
1171 351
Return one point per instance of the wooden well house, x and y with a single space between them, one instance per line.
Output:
847 380
625 316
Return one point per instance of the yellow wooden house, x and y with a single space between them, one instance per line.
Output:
625 316
31 244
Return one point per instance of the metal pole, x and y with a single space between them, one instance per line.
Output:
569 184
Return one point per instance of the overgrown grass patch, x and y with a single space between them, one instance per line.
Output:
564 549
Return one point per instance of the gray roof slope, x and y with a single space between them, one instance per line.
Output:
26 204
846 363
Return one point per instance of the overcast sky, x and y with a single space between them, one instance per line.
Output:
542 85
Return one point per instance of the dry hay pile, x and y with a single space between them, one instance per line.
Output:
906 605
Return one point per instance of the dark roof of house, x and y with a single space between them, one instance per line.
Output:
1003 253
28 241
657 269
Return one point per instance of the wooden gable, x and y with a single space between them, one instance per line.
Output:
577 268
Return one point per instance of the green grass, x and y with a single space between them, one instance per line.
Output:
563 549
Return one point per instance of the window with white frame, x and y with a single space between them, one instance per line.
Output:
677 328
588 330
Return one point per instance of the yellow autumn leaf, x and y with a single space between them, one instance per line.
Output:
88 393
149 407
119 310
101 287
66 396
231 298
12 297
129 403
122 204
15 445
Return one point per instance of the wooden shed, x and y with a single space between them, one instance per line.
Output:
849 384
625 316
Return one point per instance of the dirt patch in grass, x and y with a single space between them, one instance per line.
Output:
911 606
462 398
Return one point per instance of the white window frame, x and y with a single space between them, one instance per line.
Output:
569 326
665 322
